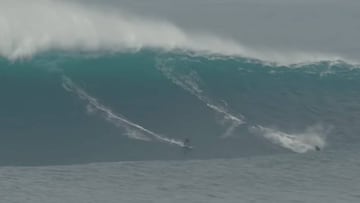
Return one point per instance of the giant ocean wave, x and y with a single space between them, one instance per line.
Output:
109 86
70 108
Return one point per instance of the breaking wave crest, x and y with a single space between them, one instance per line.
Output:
30 27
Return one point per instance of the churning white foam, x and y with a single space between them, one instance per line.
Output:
133 130
312 138
28 27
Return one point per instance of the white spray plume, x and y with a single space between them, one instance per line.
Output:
312 139
28 27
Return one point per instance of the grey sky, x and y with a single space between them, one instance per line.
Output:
301 25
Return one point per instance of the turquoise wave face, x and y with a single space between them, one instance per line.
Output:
72 108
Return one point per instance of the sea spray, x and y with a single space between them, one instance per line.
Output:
30 27
312 139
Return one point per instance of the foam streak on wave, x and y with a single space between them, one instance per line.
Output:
188 83
117 119
28 27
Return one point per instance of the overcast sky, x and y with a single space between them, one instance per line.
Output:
329 26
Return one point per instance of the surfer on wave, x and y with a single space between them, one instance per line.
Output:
186 145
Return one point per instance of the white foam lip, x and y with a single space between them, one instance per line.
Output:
28 27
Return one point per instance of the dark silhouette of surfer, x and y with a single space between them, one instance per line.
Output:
317 148
186 145
186 142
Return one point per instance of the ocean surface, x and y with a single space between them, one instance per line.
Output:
331 176
102 106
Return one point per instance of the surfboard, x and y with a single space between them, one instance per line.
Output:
187 147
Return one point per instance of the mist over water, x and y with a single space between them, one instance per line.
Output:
28 28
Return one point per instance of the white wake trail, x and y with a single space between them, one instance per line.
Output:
134 130
188 83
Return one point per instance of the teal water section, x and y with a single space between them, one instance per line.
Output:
42 123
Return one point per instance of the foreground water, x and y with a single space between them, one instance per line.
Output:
328 176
